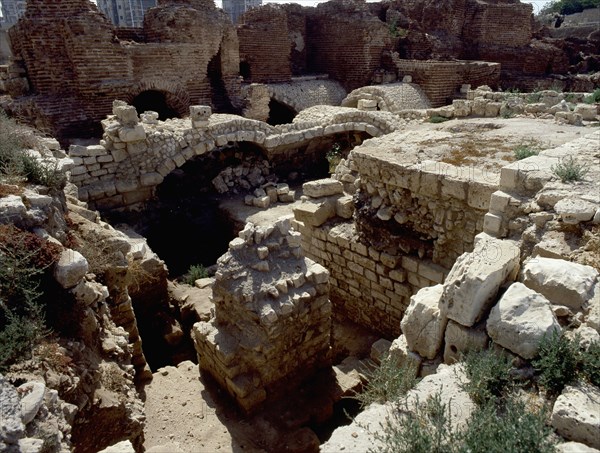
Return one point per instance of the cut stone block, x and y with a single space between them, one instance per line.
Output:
322 188
576 414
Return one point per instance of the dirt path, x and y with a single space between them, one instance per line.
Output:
181 415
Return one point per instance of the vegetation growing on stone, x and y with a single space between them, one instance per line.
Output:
488 373
195 272
569 6
23 259
569 170
524 151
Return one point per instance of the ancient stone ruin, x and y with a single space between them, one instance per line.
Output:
238 230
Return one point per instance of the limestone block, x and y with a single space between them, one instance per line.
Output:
262 202
322 188
32 400
367 104
576 414
520 320
11 428
151 179
587 112
560 281
462 108
574 447
124 446
403 356
132 134
460 339
423 323
70 268
344 207
88 293
492 109
379 350
314 214
475 278
126 114
568 118
575 210
11 209
200 112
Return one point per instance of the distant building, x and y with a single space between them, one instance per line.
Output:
235 8
125 13
11 11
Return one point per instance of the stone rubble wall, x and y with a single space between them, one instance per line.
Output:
411 222
272 318
134 157
566 108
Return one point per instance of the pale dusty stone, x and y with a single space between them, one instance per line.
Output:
520 320
121 447
586 335
89 292
11 428
460 339
400 352
576 414
592 317
132 134
344 207
30 445
475 278
587 112
32 401
322 188
575 210
560 281
70 268
574 447
380 349
204 282
423 323
314 214
165 448
11 209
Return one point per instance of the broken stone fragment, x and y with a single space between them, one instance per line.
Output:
423 324
574 210
576 414
32 401
520 320
322 188
70 268
560 281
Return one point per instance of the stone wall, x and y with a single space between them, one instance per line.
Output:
272 319
70 51
392 97
134 157
412 220
441 80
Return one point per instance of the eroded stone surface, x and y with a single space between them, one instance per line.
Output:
576 414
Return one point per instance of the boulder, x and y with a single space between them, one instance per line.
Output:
32 401
70 268
475 278
12 209
403 356
575 210
560 281
11 428
322 188
587 112
520 320
121 447
423 324
574 447
459 339
576 414
31 445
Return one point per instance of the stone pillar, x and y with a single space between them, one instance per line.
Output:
272 321
199 115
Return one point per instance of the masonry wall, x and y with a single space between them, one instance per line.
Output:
265 44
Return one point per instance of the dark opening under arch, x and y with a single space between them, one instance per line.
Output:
245 71
155 101
280 113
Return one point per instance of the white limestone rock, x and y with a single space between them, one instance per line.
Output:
574 447
520 320
11 209
30 445
459 339
576 414
32 401
403 356
592 317
560 281
476 277
423 323
70 268
587 112
11 426
322 188
121 447
575 210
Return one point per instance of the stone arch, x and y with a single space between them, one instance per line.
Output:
176 97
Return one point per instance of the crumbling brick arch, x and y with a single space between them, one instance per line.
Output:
176 96
281 111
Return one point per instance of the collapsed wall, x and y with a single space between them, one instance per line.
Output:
272 318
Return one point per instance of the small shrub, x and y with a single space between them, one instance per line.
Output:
387 382
507 114
435 119
590 364
568 170
507 428
488 373
524 151
194 273
532 98
39 173
557 362
424 429
593 98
